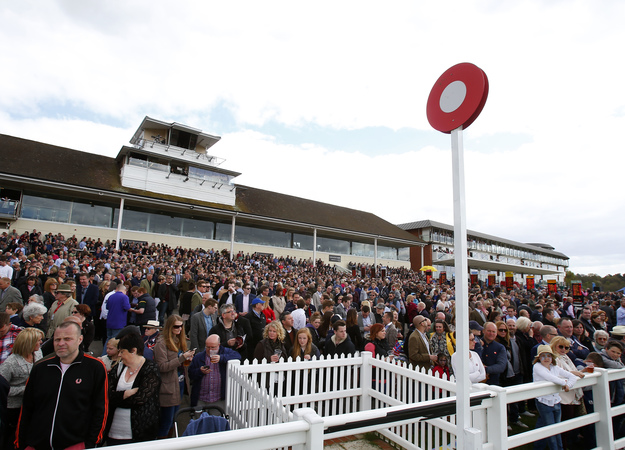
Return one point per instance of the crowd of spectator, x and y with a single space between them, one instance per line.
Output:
170 319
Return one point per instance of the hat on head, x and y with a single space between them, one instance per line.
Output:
618 330
380 306
152 324
473 325
545 349
256 301
64 288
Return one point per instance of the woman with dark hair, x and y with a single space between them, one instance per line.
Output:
278 301
579 332
170 353
598 320
30 288
378 344
88 328
442 339
48 291
313 327
494 316
133 395
353 330
326 324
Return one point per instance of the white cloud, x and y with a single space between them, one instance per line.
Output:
83 75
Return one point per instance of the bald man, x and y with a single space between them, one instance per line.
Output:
210 364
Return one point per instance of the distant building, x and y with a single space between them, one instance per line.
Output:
487 255
167 187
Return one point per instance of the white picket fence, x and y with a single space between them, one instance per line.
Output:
300 404
338 386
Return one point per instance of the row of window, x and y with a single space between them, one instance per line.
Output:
153 163
447 238
107 216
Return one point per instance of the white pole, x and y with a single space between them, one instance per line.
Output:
462 305
119 223
375 253
234 222
314 247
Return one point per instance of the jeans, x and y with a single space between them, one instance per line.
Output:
167 420
168 413
162 311
548 415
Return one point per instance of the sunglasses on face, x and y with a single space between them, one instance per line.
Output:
177 326
564 347
503 329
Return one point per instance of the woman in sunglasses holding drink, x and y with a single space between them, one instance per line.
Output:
171 355
549 408
572 403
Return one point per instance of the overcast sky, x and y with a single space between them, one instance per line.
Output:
326 100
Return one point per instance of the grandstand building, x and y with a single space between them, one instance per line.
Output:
487 255
167 187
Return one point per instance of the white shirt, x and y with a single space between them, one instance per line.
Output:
299 318
120 427
556 375
6 272
105 312
477 372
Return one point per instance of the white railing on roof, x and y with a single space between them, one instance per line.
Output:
180 152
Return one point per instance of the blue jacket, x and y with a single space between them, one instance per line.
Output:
495 360
91 296
238 302
196 375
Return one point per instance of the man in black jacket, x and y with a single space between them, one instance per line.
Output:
168 295
232 333
65 401
257 323
340 343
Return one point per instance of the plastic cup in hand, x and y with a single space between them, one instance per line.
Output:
213 354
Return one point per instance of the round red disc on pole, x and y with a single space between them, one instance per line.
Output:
457 97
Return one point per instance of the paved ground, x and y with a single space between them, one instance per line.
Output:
357 442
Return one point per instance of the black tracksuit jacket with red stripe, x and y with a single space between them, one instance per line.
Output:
64 409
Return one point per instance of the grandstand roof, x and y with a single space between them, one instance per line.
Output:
31 162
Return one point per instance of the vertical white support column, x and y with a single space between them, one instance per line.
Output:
314 438
375 254
497 420
234 223
601 400
314 247
461 268
423 260
366 373
120 217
